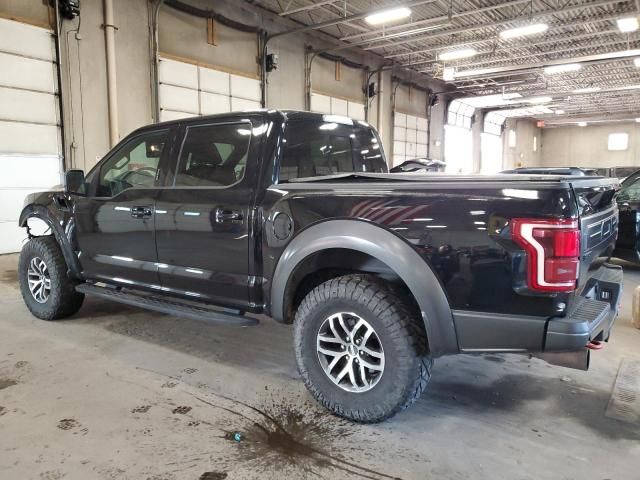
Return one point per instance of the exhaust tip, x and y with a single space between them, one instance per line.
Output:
578 360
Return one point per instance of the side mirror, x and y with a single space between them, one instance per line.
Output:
73 181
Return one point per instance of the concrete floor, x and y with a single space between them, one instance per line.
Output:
120 393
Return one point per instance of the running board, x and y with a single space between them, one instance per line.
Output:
169 306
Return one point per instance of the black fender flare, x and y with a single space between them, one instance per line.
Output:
42 213
385 246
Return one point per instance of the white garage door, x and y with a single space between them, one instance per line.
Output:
336 106
409 137
30 152
188 90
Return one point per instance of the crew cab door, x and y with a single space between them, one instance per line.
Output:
114 222
204 214
629 230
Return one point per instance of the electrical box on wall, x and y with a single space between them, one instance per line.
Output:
69 9
272 62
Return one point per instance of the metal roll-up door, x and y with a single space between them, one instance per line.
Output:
30 133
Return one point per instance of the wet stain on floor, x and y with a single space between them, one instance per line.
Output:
282 437
7 382
213 476
9 276
181 410
141 409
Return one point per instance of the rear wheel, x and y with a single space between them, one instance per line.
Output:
359 350
46 288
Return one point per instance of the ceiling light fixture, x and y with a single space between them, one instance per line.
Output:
559 112
636 62
582 124
567 67
388 16
458 54
587 90
532 29
628 24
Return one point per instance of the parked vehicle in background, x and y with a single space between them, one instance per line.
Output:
293 215
620 173
576 171
628 243
419 165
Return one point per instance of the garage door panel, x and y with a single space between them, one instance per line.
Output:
28 106
212 103
422 136
399 134
240 104
246 88
169 115
30 171
356 110
28 138
422 123
179 99
27 73
214 81
178 73
23 39
11 203
400 119
320 103
12 237
421 150
339 106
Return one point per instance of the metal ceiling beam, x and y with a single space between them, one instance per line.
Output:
441 18
505 48
500 23
601 57
313 6
346 19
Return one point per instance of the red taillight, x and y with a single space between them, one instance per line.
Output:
553 252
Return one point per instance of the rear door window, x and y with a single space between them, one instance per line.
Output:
314 148
213 155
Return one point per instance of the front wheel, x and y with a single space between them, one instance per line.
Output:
359 350
46 288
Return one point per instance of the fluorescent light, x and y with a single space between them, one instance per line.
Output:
569 67
636 62
559 112
582 124
587 90
628 24
532 29
539 100
387 16
458 54
638 120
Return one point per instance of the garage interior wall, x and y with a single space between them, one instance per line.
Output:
526 150
588 146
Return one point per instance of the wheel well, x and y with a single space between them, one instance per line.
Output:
335 262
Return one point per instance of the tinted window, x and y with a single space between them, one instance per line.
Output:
630 193
315 148
133 165
214 155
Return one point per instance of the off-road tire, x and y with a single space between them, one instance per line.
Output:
407 360
63 299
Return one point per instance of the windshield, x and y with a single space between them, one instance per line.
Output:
313 148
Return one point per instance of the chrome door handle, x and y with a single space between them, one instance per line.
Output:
227 215
141 212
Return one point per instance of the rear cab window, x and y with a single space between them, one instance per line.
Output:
329 146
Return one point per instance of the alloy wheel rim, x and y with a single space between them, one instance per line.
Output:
39 280
350 352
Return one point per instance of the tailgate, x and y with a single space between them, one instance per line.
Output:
598 214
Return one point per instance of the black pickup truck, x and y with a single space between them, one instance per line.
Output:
293 214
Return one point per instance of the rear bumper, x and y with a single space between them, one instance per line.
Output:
592 314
